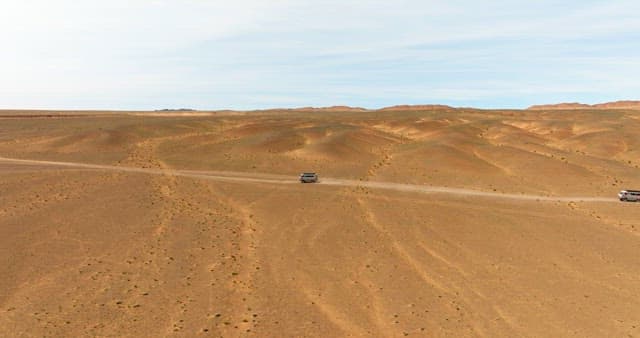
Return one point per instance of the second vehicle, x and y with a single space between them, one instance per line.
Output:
629 195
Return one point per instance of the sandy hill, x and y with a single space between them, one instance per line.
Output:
426 222
608 105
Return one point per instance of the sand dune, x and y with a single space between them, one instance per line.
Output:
426 222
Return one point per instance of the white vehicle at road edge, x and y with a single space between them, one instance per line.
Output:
629 195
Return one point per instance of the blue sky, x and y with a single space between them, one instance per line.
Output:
248 54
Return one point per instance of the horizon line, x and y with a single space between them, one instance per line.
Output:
559 105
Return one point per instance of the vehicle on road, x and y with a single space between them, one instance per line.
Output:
308 178
629 195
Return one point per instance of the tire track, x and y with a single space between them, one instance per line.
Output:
460 292
244 177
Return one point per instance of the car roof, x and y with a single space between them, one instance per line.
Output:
308 173
634 191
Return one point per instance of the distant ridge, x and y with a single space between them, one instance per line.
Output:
175 110
575 105
619 105
626 104
360 109
197 112
417 107
331 109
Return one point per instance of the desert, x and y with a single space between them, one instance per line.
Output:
427 221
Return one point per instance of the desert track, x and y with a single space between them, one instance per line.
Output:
245 177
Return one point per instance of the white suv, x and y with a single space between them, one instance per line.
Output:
629 195
308 178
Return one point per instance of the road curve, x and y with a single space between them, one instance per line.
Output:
231 176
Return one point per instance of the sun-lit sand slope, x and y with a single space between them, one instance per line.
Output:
97 252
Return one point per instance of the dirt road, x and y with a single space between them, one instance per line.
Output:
244 177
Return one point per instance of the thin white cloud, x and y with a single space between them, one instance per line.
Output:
250 51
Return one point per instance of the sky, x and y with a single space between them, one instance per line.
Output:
255 54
